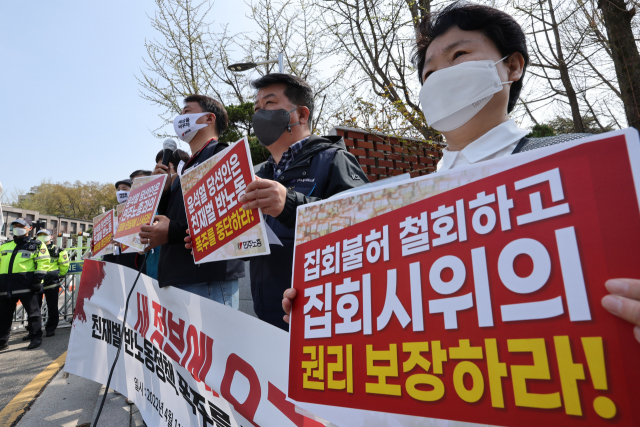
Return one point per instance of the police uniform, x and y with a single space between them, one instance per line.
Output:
22 269
56 267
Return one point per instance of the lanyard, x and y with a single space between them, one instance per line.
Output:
195 155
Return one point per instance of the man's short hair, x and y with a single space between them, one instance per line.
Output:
127 182
139 173
210 105
498 26
297 91
175 157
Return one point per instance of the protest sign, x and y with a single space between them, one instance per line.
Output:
474 295
123 248
103 228
185 360
219 227
139 210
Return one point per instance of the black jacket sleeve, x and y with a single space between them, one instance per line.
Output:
178 230
163 206
344 173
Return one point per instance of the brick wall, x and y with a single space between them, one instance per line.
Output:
382 157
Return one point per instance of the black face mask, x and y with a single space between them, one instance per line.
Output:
269 125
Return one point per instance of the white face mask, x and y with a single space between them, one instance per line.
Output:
19 232
122 196
186 127
450 97
44 238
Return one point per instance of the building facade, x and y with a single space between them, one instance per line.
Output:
54 223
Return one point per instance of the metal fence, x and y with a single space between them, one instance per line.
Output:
66 296
66 304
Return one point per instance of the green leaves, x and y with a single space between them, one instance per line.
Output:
82 200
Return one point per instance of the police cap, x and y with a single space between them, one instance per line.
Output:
25 222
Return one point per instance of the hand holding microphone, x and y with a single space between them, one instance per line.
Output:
169 146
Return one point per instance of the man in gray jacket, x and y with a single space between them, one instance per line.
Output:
302 168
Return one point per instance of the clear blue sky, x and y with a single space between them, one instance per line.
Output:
69 102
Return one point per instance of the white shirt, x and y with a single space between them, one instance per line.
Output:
498 142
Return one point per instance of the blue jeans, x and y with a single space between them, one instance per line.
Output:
225 292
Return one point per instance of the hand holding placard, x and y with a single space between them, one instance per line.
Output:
625 301
155 234
269 196
287 301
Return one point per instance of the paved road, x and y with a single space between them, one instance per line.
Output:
18 366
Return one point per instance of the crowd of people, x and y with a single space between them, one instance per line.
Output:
471 60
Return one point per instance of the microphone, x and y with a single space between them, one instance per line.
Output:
169 146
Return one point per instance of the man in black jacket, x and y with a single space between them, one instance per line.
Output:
200 123
303 168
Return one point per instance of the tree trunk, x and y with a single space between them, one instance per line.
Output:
419 9
564 75
617 20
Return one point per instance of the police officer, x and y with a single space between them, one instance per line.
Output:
22 269
56 267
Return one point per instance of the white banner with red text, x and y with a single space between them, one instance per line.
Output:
185 360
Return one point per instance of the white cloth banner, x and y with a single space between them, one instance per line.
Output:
185 360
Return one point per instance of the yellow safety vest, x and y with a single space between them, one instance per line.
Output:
57 266
22 266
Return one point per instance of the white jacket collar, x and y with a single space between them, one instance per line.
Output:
487 145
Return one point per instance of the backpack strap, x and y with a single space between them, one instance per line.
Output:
321 163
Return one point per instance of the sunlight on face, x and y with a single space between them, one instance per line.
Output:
272 97
457 46
194 108
191 108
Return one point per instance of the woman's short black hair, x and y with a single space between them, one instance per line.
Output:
297 91
500 27
210 105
